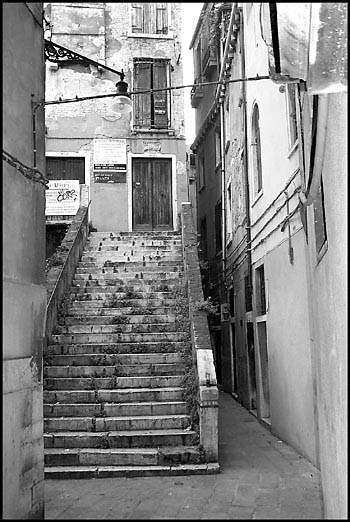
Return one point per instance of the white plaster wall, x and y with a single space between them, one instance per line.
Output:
292 395
329 281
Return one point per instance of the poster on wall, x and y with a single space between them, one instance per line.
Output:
109 160
62 197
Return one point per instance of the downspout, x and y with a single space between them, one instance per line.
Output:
308 197
245 158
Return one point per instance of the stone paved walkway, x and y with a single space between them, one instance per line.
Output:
261 478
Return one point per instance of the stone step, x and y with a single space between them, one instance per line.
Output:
153 350
129 277
88 472
114 396
98 383
114 302
119 370
115 410
125 311
119 319
120 439
122 456
138 234
130 423
127 269
118 337
108 292
116 328
124 360
132 266
117 286
148 304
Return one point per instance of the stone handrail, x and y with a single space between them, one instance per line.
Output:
201 344
59 279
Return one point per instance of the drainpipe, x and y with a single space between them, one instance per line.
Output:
308 197
245 156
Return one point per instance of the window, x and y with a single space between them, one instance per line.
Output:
201 173
203 238
320 221
217 149
291 111
229 213
231 297
260 290
248 294
149 18
151 109
218 227
256 152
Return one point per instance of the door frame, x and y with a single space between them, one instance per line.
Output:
173 183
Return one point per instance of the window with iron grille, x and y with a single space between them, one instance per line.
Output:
151 109
260 290
218 227
149 18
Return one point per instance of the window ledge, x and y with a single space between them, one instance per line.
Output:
260 318
258 196
170 132
293 149
321 253
169 36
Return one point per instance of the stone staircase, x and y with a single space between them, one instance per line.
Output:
114 368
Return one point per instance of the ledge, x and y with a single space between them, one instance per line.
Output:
201 345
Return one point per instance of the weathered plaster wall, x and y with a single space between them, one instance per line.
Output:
329 305
24 294
292 395
110 23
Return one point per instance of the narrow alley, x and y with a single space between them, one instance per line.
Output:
261 478
174 260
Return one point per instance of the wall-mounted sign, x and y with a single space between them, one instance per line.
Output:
109 155
109 177
62 197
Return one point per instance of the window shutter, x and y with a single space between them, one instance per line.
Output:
142 102
137 17
148 17
161 19
160 98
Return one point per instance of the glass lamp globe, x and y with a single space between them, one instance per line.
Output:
121 102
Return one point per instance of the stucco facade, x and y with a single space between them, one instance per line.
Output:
24 293
103 32
281 275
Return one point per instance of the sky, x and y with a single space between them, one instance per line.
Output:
190 15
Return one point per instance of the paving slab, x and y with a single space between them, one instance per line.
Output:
261 478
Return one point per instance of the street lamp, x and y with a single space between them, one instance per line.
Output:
58 54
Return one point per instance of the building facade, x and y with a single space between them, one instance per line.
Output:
24 292
134 165
271 221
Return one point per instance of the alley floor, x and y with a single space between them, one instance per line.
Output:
261 478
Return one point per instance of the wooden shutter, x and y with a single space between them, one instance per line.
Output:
161 19
137 17
160 99
142 102
66 168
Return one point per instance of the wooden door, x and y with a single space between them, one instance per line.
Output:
152 194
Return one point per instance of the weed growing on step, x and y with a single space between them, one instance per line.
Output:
189 381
